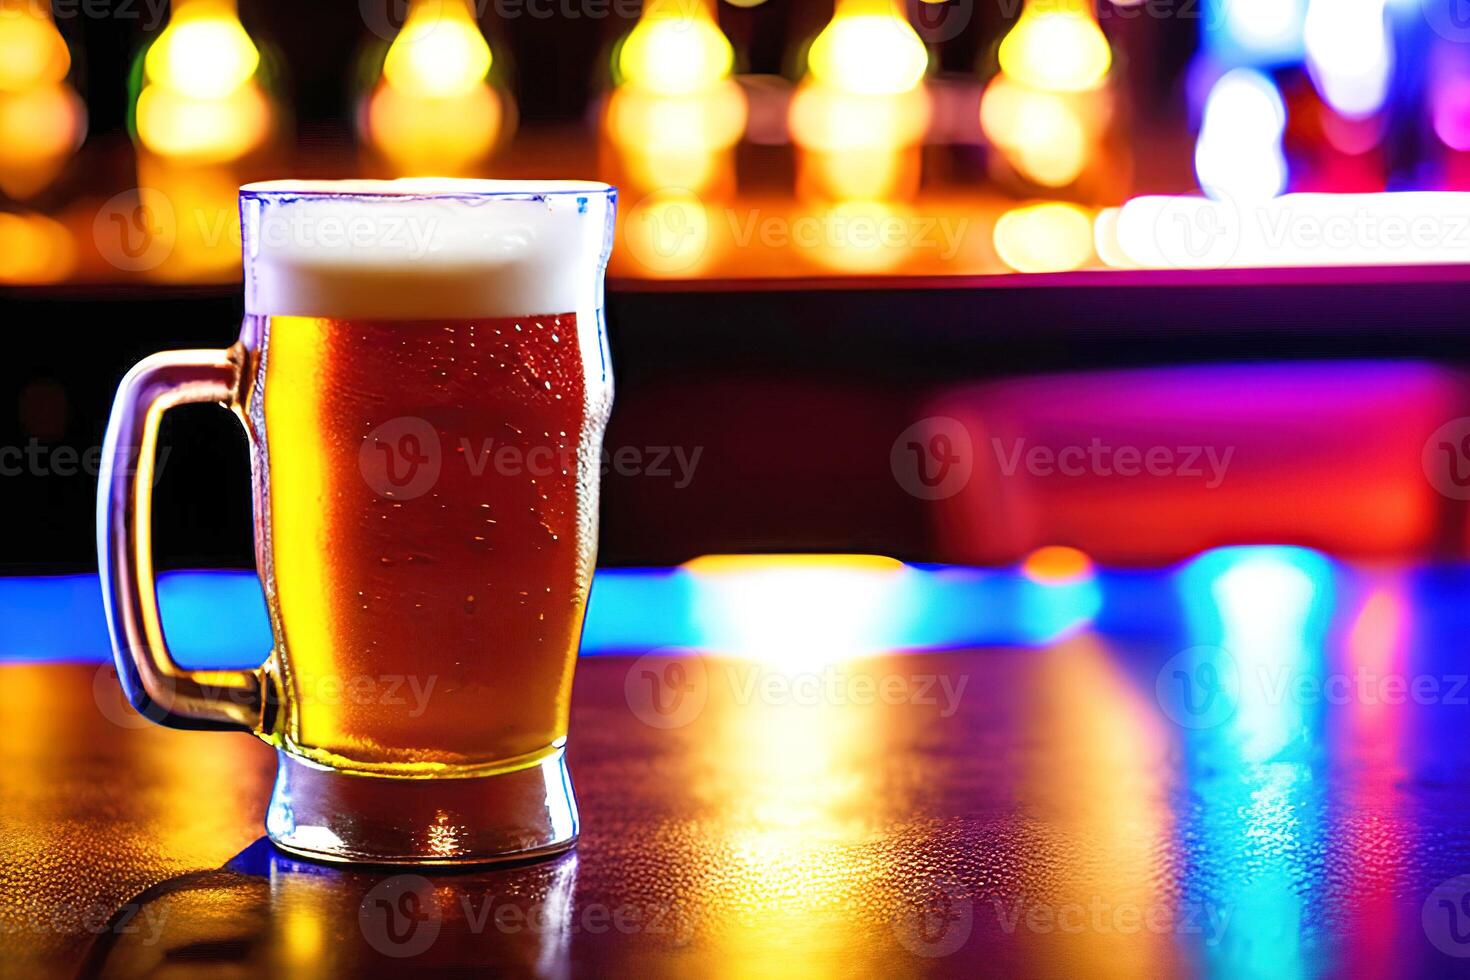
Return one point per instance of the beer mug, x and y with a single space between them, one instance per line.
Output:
424 380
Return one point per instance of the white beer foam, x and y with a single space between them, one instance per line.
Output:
423 248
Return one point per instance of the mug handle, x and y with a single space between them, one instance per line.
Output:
161 690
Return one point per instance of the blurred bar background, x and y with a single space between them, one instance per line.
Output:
753 138
822 205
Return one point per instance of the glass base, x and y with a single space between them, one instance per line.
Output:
330 815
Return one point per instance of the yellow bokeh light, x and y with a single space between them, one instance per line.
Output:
200 102
868 54
445 136
659 124
204 53
790 783
39 124
1050 237
303 936
1119 747
676 140
191 211
202 130
859 117
697 170
1045 135
862 236
830 119
434 111
35 249
795 611
676 48
440 52
32 51
670 233
673 120
1057 46
857 176
42 120
1105 240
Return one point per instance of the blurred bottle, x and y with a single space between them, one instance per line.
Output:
669 131
860 115
42 120
435 108
858 119
1050 108
204 113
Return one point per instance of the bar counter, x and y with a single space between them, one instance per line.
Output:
1028 812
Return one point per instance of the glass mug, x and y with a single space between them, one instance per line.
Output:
424 379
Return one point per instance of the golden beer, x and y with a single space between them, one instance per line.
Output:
429 607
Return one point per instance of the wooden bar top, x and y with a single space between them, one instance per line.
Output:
1017 812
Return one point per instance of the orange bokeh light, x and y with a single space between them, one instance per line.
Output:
1056 565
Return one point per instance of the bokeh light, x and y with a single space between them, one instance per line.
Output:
434 110
859 118
795 611
32 51
200 101
439 53
1047 136
873 52
1349 54
204 52
676 48
42 119
1254 33
1057 46
1057 565
1239 153
1049 237
35 249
